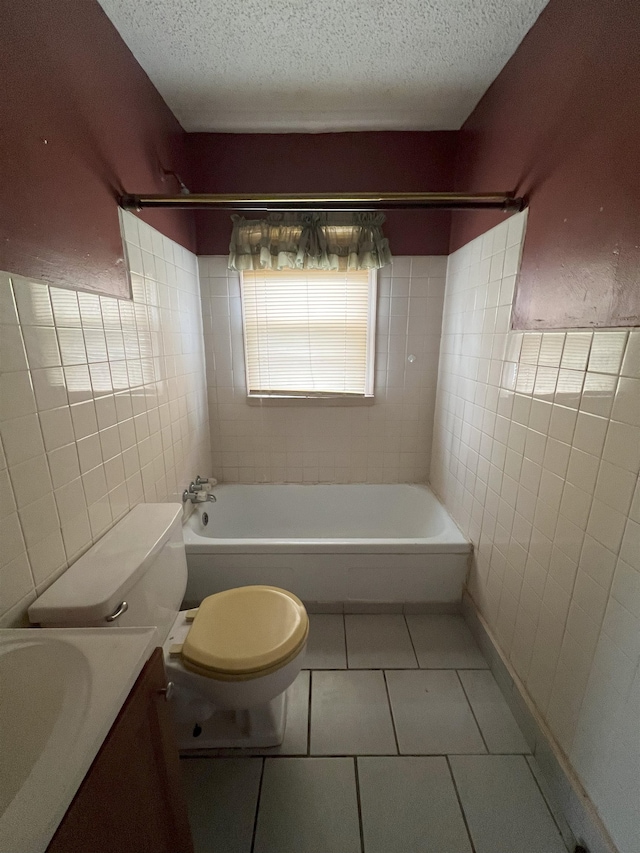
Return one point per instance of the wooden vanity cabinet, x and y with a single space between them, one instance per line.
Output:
131 800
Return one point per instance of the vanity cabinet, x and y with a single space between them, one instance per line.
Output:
131 800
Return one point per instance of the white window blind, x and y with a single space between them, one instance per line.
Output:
309 332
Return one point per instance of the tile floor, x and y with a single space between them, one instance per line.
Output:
398 741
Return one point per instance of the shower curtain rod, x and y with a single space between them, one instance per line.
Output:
327 201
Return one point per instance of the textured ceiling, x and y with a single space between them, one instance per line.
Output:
322 65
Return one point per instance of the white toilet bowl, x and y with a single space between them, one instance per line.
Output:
231 665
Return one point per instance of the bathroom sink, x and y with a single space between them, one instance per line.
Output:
60 691
45 686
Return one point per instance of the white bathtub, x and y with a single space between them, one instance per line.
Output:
353 544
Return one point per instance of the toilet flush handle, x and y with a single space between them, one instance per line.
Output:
167 691
120 609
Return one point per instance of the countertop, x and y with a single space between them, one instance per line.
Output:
62 691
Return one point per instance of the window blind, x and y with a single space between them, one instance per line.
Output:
309 332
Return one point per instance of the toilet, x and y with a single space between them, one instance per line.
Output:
229 662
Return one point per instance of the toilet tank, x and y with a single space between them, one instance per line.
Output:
140 561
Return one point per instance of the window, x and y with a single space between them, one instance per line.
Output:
309 333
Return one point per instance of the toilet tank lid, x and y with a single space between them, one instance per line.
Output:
96 583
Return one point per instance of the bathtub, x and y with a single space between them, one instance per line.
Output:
354 545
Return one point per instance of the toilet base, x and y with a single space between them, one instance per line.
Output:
202 726
212 714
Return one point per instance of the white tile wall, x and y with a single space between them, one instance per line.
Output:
103 407
536 454
388 442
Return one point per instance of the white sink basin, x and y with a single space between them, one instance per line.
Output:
60 691
41 712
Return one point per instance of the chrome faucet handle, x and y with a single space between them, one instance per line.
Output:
201 481
196 494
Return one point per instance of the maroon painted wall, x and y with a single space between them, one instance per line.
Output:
387 161
561 123
81 122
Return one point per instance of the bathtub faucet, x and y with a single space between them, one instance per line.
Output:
196 494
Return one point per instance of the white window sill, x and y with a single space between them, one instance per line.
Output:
338 400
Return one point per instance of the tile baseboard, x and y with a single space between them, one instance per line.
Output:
431 608
575 814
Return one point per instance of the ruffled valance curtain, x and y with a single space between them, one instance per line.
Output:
315 241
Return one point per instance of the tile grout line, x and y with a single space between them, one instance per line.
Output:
397 668
393 722
251 755
359 802
462 812
415 654
473 713
544 797
308 751
344 636
255 820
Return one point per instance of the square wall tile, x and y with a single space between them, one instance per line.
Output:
16 394
16 580
13 544
39 519
84 419
7 499
33 301
540 588
407 323
79 347
21 438
615 487
64 465
57 429
622 446
47 558
49 388
631 362
30 480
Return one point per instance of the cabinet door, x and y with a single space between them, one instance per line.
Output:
131 800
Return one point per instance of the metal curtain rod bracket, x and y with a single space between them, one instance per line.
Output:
328 201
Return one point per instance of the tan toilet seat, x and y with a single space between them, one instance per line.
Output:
245 633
